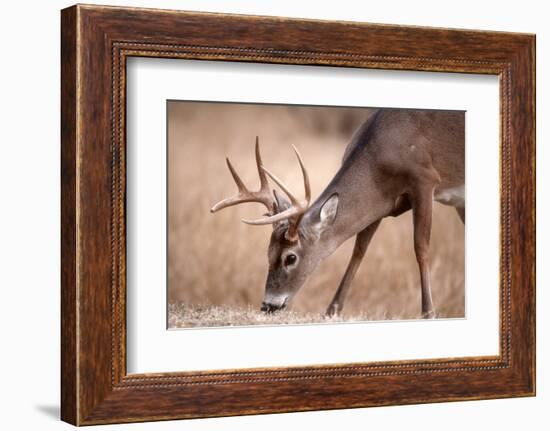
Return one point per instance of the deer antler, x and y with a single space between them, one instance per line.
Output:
293 214
262 196
297 209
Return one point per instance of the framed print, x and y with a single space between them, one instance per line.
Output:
265 215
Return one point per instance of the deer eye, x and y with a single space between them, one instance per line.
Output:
290 259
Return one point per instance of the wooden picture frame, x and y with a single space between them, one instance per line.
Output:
95 43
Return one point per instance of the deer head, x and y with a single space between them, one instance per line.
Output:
292 252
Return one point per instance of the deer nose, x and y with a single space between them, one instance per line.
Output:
268 308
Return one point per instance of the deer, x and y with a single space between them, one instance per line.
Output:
397 160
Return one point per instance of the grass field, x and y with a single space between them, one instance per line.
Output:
217 265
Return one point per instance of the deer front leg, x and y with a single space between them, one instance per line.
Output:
422 204
362 241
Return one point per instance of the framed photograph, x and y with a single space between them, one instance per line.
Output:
264 214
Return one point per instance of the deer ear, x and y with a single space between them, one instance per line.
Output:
328 212
282 202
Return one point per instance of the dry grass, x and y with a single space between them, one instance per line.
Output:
188 316
181 315
217 263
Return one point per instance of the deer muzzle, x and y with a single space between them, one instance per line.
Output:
271 307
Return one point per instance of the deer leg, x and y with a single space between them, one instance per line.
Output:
422 219
362 241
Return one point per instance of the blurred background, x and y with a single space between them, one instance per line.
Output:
217 265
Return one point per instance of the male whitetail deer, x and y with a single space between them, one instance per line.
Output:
397 160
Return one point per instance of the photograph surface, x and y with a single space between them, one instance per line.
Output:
289 214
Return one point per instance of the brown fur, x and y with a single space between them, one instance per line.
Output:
396 161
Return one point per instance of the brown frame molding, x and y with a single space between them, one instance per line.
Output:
95 43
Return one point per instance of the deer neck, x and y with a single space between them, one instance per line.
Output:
362 200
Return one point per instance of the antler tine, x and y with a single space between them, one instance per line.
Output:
243 195
307 187
290 212
240 185
264 185
236 199
282 186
